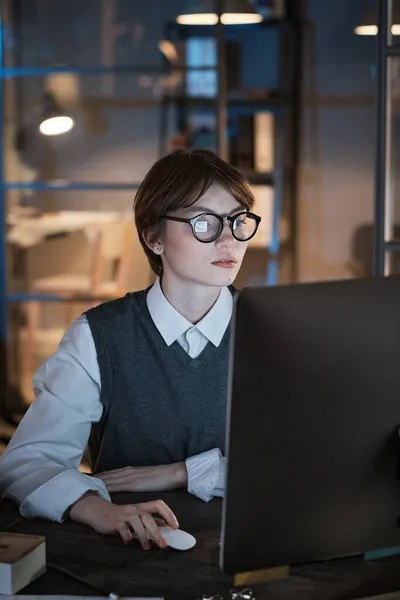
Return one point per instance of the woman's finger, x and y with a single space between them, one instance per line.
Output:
136 524
159 507
113 486
116 474
116 471
113 478
152 530
125 532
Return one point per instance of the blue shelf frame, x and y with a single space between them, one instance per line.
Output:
12 72
63 185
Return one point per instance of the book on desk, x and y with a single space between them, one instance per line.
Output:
22 559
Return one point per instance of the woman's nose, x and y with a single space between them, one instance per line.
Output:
226 234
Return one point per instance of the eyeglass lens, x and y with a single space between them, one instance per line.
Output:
208 227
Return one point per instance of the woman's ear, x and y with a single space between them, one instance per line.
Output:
153 242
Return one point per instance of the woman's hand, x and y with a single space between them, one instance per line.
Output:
145 479
127 520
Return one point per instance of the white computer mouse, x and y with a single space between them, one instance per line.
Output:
178 539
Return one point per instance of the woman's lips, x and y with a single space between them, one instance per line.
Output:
225 264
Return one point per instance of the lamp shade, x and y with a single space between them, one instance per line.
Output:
202 12
369 24
54 121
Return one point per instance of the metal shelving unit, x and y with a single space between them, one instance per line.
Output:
385 245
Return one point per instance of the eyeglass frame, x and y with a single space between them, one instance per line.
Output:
231 219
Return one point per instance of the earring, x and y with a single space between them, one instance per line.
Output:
158 248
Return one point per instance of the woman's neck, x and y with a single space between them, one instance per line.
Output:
193 301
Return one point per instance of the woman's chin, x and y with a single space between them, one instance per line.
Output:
223 277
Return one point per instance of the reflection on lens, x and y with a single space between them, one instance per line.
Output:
207 227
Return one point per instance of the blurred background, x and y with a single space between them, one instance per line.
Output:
94 91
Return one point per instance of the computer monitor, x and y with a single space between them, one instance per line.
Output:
313 417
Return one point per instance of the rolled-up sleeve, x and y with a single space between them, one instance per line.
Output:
206 474
40 466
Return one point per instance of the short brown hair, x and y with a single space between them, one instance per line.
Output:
176 181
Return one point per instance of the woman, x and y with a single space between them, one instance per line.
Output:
142 381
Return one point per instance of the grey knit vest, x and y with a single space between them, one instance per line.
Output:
160 405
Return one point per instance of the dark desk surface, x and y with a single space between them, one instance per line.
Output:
130 571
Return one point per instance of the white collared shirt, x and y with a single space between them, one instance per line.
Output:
40 466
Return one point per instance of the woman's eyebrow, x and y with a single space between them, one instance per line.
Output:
198 209
204 209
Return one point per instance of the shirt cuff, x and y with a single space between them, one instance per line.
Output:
219 489
51 500
203 473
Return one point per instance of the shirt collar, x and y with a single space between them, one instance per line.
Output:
171 324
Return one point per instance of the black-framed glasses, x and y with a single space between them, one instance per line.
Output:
207 227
